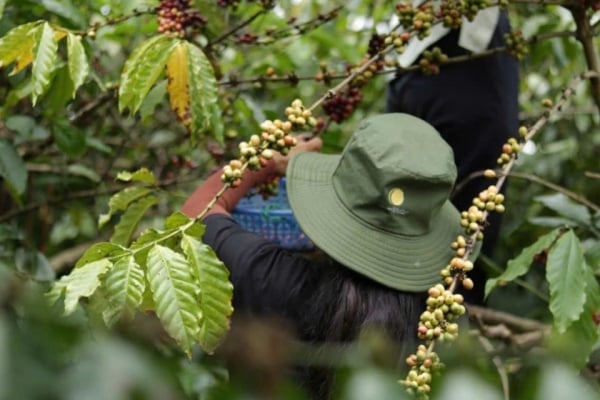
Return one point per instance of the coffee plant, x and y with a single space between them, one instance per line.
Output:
114 111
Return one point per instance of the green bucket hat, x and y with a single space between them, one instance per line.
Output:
381 208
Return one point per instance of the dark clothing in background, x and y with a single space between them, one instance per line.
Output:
268 280
474 106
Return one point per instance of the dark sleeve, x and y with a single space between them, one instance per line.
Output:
267 279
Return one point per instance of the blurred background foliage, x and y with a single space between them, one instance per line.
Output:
71 149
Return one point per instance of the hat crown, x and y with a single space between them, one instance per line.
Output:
396 173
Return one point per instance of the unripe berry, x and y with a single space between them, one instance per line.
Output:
468 283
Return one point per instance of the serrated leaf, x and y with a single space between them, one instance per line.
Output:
81 282
178 83
177 220
124 287
130 219
174 294
44 61
98 251
520 265
565 272
17 45
216 292
128 75
582 335
142 72
203 90
12 168
141 175
78 64
121 200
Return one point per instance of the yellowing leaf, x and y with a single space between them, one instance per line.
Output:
59 34
178 83
142 70
13 44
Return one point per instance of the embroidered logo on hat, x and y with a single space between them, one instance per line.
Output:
396 197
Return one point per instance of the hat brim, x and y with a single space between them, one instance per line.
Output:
408 263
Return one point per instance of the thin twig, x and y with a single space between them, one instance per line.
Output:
585 35
487 346
574 196
236 28
494 317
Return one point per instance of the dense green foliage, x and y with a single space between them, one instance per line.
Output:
108 122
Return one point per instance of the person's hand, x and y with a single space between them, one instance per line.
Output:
305 143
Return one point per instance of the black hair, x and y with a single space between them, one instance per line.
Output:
343 305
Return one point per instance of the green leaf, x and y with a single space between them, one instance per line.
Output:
580 338
203 91
143 69
81 282
2 5
17 45
65 9
216 292
155 97
130 219
124 287
177 220
566 207
78 64
565 272
12 168
121 200
56 99
141 246
44 61
69 139
174 292
82 170
141 175
99 251
520 265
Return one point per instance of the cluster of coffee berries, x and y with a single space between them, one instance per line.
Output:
299 116
423 364
430 61
509 150
451 12
458 265
516 45
406 14
438 321
423 20
174 16
472 7
399 40
376 44
340 106
364 76
325 74
275 136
